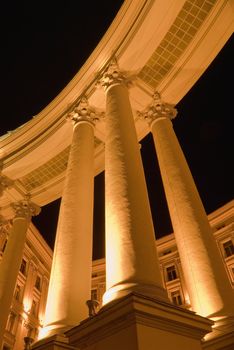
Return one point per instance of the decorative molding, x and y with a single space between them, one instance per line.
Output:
4 225
157 109
114 76
5 182
25 209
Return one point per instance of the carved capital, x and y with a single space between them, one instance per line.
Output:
5 182
84 112
113 76
158 109
25 209
4 225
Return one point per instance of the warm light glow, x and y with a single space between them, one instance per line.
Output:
27 305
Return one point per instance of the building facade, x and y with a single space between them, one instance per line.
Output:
30 293
28 304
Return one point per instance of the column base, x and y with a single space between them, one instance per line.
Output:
122 290
49 331
55 342
137 322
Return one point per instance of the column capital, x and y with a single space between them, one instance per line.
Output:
83 112
4 183
4 225
25 209
114 76
158 109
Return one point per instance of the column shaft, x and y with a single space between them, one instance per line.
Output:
70 281
9 268
209 290
131 258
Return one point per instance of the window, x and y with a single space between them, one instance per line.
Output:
168 251
4 246
6 347
94 294
34 308
171 273
23 267
38 283
30 332
176 297
11 322
17 292
228 248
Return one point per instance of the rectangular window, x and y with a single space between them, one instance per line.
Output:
94 294
176 297
23 267
171 273
30 332
168 251
38 283
6 347
11 322
228 248
4 246
34 308
17 292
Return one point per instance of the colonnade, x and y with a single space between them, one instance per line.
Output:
131 259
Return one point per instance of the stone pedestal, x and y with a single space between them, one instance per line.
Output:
137 322
221 337
55 342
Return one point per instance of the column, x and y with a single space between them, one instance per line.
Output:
70 281
208 287
131 258
10 264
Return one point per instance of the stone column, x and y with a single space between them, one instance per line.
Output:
131 258
10 264
70 281
208 287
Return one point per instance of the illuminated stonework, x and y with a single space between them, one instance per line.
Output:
30 291
38 258
25 209
84 112
5 182
177 39
167 45
158 109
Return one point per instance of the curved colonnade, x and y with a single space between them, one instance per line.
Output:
151 45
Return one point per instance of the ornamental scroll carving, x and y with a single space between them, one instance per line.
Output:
25 209
158 109
113 76
5 182
84 112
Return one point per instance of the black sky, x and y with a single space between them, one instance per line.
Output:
43 47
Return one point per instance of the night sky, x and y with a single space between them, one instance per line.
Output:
43 47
